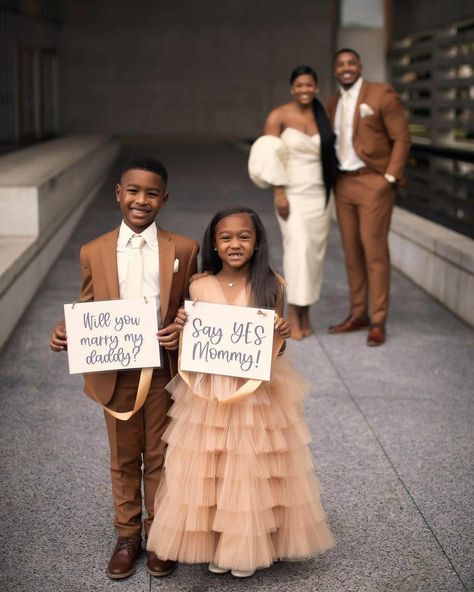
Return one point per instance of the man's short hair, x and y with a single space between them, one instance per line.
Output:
346 50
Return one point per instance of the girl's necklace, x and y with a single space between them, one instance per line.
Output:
231 284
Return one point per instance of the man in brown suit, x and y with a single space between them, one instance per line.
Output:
168 261
372 147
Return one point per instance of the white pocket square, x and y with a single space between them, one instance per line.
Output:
175 265
365 110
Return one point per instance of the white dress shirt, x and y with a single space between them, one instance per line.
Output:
151 261
351 161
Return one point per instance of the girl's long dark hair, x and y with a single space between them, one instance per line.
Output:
328 138
266 288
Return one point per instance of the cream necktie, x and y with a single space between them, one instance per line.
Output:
133 286
133 289
343 120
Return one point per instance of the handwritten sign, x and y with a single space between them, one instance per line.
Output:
112 335
228 340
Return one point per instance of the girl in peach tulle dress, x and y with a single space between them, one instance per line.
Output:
239 489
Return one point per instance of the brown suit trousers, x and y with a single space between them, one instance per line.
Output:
136 449
364 206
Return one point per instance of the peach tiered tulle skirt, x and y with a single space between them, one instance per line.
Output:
239 487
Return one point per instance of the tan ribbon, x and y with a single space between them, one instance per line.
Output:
249 385
142 393
133 289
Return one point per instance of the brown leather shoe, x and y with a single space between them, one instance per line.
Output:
126 552
350 324
158 567
376 335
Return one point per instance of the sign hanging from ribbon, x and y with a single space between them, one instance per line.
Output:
112 335
228 340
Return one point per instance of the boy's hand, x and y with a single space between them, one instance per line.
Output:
282 327
58 341
169 336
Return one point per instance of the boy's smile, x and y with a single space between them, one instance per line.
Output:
141 195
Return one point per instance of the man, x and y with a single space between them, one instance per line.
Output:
372 147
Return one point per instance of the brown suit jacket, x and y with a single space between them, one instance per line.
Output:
382 139
100 282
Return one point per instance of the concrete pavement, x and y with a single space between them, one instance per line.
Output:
392 428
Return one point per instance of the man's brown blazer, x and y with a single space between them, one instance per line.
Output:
381 139
100 282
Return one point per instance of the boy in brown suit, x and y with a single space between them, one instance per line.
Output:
372 147
168 261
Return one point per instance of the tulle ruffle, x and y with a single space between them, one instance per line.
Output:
239 487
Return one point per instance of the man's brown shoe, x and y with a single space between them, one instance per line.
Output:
376 335
350 324
126 552
158 567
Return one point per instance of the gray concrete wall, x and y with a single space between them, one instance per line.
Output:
33 26
209 68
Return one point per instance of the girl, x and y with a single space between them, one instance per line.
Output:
239 490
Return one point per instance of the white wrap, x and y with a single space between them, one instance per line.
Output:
267 162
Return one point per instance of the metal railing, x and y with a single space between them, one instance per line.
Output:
440 186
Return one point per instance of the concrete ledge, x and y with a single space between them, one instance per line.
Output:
44 191
437 259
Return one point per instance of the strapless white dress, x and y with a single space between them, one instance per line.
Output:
294 161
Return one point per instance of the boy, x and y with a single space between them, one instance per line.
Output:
167 261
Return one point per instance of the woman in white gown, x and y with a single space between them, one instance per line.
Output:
296 157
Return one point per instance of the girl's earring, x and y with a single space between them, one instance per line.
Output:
215 248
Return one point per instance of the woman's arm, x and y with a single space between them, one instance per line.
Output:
273 124
274 127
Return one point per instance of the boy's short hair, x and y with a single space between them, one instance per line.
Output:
346 50
146 163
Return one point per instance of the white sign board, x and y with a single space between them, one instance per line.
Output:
112 335
228 340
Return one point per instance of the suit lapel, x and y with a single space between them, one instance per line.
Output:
109 257
360 99
167 254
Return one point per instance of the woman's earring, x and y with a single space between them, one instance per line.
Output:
215 248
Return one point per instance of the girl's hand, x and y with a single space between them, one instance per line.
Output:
282 327
180 319
169 336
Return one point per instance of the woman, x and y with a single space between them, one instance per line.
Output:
296 158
